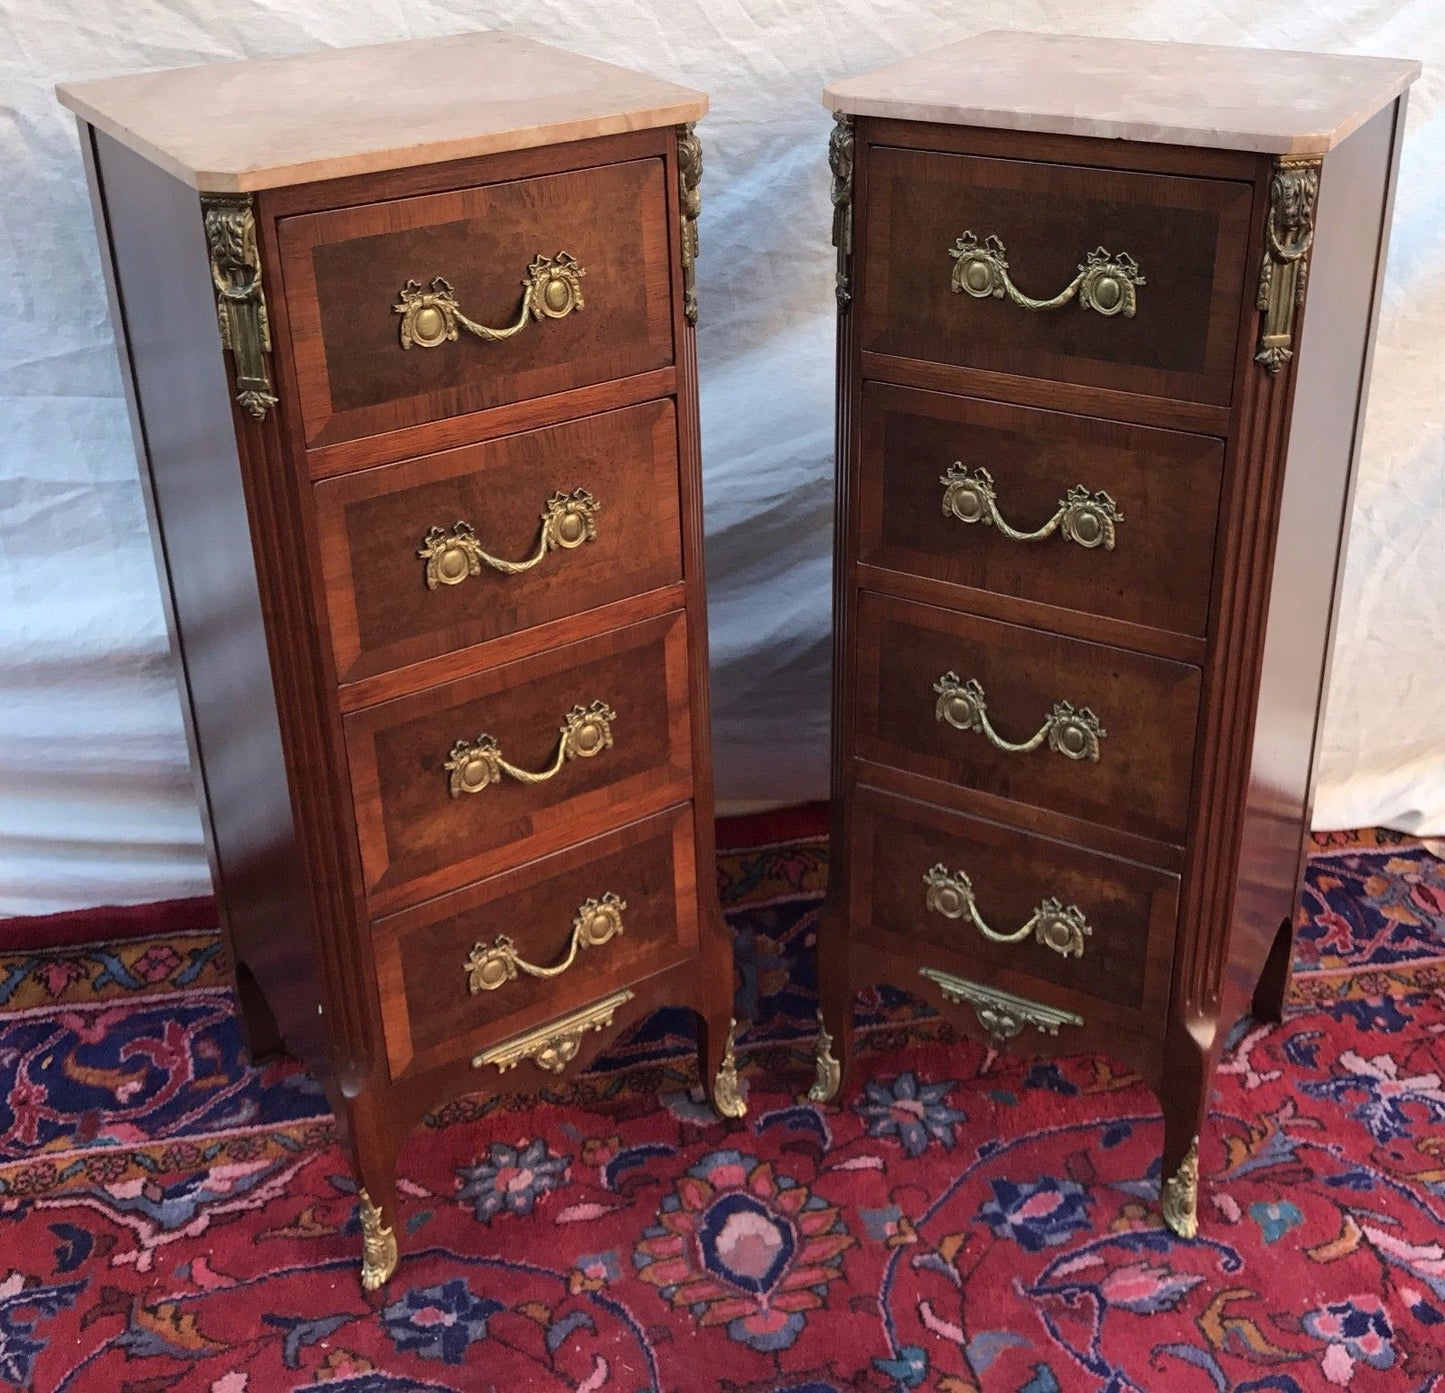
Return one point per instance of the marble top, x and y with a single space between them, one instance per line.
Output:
236 127
1267 100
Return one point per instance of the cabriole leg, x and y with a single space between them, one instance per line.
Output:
1185 1096
834 1047
374 1160
717 1062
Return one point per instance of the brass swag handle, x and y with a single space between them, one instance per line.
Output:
1083 517
597 921
1073 732
1060 927
475 764
568 520
430 315
1105 283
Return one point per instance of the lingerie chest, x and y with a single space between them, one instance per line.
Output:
408 333
1105 318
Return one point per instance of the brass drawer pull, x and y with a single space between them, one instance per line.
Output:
1060 927
1002 1014
597 921
554 1044
1083 517
568 520
476 764
1073 732
1105 283
430 315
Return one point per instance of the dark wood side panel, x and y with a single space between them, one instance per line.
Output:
164 306
1162 485
1188 237
1331 383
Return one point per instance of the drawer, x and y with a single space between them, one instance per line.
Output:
955 246
438 553
380 297
1106 735
949 890
459 972
485 773
1068 511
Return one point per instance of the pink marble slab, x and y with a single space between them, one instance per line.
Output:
1267 100
236 127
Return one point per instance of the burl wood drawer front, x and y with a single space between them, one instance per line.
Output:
480 775
1069 511
587 250
1025 912
1168 329
438 553
1083 729
461 971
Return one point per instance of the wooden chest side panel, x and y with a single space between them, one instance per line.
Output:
165 310
1331 384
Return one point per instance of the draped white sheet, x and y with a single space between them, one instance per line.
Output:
96 802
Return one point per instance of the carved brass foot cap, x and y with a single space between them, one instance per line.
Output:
829 1071
378 1247
1179 1195
727 1097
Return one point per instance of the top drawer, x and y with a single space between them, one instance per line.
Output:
1030 269
579 261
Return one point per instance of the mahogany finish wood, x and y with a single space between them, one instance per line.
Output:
1147 707
327 461
1187 235
521 643
298 667
383 613
417 839
1347 265
1242 485
346 270
1032 817
432 1016
154 253
1103 402
1165 483
1130 908
1013 609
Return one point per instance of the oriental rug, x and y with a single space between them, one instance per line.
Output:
172 1219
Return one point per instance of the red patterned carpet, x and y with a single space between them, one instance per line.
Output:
171 1220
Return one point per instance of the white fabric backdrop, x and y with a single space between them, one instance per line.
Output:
96 801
